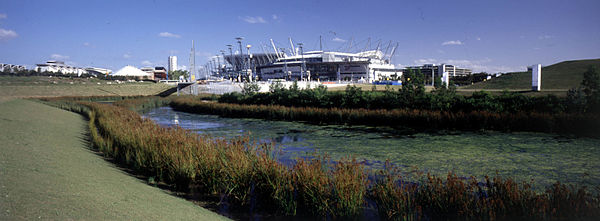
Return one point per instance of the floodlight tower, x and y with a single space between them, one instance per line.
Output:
219 60
303 67
192 62
250 61
239 41
285 68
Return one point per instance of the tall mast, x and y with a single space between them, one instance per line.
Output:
393 51
293 48
350 46
320 43
368 44
192 61
275 49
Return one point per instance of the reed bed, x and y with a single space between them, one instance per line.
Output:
563 123
247 176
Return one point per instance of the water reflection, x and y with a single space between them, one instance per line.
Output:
524 156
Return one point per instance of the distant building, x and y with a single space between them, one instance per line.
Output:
133 72
431 71
536 77
11 68
366 66
60 67
172 63
438 70
160 73
98 71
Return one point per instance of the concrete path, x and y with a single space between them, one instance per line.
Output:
48 172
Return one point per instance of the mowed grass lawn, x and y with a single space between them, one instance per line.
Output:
47 171
42 86
561 76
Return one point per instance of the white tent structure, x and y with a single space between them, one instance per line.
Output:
130 71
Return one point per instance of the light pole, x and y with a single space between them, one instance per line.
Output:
222 54
210 67
230 59
285 65
239 41
250 62
303 67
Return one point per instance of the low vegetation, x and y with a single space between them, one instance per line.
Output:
411 107
248 175
411 96
422 120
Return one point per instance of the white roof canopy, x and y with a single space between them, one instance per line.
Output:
130 71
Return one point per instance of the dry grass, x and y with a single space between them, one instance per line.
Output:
565 123
248 176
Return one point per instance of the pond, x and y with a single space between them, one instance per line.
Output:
543 158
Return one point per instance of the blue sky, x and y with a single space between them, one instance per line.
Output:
485 35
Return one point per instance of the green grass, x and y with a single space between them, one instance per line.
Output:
41 86
240 170
561 76
48 172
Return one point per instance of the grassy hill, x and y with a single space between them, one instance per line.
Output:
561 76
43 86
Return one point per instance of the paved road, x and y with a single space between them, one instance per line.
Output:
48 172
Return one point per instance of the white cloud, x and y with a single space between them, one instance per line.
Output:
478 39
59 57
182 67
336 39
544 37
87 44
168 35
253 20
457 42
275 17
147 63
2 16
7 34
126 56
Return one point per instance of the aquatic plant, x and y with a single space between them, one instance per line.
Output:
565 123
248 176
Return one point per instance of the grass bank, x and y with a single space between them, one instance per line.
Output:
560 76
41 86
47 171
247 176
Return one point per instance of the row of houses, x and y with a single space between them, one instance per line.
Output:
145 73
11 68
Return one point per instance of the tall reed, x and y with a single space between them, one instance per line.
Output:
248 176
564 123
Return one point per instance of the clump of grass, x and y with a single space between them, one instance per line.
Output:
567 123
455 197
248 175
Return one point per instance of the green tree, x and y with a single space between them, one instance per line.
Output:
591 88
591 82
413 83
250 88
276 86
174 75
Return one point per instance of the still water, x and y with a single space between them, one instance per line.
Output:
543 158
